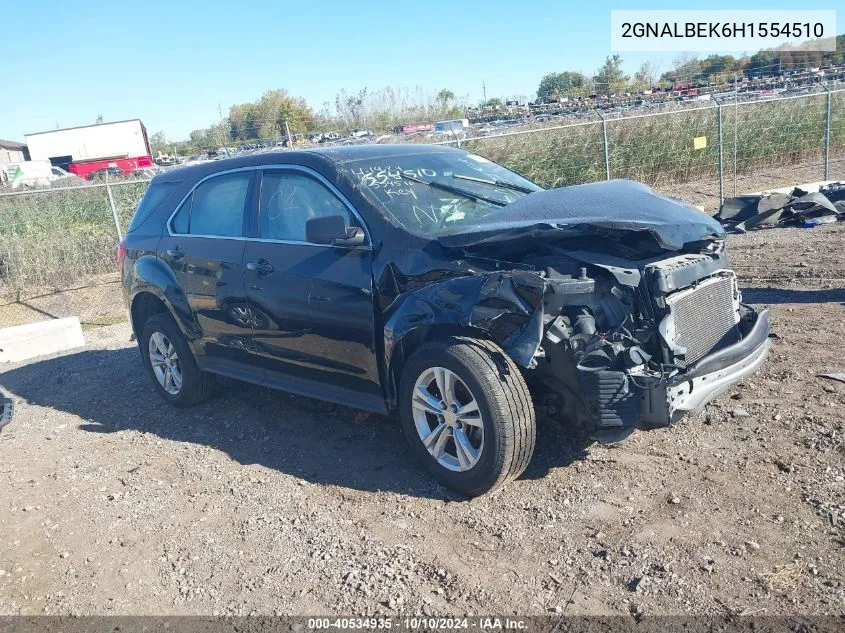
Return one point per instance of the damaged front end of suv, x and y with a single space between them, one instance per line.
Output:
615 301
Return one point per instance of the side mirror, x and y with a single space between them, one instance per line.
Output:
332 230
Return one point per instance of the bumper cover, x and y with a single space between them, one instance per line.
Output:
710 377
714 374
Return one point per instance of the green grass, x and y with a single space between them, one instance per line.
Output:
659 150
52 240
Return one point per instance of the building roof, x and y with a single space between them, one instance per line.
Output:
12 145
79 127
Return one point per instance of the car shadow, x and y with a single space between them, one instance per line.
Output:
319 442
785 295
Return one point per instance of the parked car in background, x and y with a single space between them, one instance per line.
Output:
105 173
60 177
451 127
434 283
147 173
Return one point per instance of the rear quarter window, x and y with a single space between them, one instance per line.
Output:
154 196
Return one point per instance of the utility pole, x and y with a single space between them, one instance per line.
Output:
287 131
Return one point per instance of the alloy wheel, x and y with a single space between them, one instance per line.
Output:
165 363
447 419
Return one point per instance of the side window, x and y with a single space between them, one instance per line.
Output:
288 200
216 207
183 216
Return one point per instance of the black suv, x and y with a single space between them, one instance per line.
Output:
434 282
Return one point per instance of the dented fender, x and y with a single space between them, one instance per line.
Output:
506 305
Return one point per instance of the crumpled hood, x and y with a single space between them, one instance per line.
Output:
623 205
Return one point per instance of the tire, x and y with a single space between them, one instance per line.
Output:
196 386
488 376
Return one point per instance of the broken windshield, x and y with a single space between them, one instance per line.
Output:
435 194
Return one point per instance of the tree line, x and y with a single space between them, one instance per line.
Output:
687 69
277 113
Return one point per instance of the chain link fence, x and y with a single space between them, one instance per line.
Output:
57 245
57 252
777 143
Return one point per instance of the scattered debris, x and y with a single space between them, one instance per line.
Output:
798 208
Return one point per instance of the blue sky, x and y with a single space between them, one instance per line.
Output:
171 63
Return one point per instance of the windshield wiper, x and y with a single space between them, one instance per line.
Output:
455 190
495 183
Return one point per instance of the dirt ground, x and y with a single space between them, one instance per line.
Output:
264 503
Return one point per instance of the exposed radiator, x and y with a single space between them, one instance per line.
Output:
705 317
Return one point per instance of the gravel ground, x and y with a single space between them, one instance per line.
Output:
264 503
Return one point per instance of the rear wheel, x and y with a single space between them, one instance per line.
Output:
171 364
467 414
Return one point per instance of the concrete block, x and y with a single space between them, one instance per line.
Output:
23 342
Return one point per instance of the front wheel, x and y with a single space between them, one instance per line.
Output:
467 414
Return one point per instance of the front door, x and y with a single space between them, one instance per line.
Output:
312 304
204 247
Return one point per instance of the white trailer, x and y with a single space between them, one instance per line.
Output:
82 149
121 139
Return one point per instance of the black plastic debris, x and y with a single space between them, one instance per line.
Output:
835 192
6 408
798 208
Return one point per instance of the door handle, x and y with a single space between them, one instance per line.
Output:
262 266
175 253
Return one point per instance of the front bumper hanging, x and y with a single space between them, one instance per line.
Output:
716 373
709 377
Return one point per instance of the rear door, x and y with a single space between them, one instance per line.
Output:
204 247
313 303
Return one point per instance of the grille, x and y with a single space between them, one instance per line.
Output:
705 320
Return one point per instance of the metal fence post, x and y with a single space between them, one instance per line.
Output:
721 156
113 211
736 128
606 147
827 137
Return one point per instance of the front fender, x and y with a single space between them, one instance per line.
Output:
507 307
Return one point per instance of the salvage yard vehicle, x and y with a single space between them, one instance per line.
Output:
434 283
